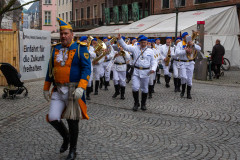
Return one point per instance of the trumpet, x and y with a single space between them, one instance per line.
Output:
89 40
168 58
194 53
100 51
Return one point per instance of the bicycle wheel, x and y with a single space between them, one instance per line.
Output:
226 64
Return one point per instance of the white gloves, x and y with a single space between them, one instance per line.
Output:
78 93
46 95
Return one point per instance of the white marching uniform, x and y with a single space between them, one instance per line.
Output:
106 62
153 75
186 66
119 69
164 52
144 64
176 65
158 46
98 68
92 56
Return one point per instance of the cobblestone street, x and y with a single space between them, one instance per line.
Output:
206 127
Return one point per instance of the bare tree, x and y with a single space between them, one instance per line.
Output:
11 5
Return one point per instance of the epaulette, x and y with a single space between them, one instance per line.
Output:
53 45
82 43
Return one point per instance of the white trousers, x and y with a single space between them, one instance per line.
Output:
106 73
187 69
119 77
97 72
90 80
176 69
140 83
152 78
58 102
166 69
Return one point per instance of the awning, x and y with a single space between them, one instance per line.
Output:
223 21
101 31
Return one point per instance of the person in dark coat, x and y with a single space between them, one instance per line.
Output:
218 52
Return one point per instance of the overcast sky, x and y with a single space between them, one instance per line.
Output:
24 1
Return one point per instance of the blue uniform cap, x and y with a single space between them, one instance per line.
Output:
153 40
149 40
94 39
83 38
104 38
168 38
178 38
123 38
143 38
133 38
157 39
184 34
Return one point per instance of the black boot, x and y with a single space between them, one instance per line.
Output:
150 91
62 130
106 85
143 102
158 79
73 131
176 84
96 87
136 100
122 93
183 90
179 84
88 91
116 91
101 83
189 92
91 87
154 82
167 81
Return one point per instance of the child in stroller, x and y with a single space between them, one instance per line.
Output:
15 86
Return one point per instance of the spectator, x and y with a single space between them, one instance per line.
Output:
218 52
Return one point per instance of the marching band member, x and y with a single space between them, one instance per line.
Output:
97 68
187 66
69 71
158 46
92 56
176 68
107 59
119 72
144 64
134 41
164 54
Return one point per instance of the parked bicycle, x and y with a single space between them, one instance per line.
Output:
226 63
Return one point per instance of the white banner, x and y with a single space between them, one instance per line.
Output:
35 48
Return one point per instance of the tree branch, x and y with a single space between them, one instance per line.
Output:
22 5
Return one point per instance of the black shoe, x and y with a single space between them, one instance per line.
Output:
183 90
62 130
91 87
175 84
88 91
106 85
73 131
189 92
158 79
167 81
143 102
122 93
116 91
96 87
136 100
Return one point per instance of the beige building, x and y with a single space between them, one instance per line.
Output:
64 10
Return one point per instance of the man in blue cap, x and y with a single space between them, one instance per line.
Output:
158 46
164 53
183 49
176 68
83 39
144 64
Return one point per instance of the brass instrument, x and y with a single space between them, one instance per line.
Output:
120 53
168 58
89 40
194 53
100 51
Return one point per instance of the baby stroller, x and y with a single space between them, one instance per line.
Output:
15 86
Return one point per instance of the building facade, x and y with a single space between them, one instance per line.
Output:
47 18
64 10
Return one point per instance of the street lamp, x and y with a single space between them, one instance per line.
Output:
177 4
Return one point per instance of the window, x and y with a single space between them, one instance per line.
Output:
165 3
59 2
60 15
63 16
94 11
182 3
82 13
47 18
205 1
66 16
88 12
66 1
47 1
103 10
70 15
76 13
62 1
